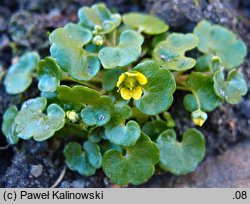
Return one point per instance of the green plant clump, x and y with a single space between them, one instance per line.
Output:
108 84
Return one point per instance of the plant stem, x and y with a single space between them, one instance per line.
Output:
140 29
157 117
111 39
183 88
96 80
181 79
68 78
197 100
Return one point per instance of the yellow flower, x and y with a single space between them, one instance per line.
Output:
198 121
130 83
199 117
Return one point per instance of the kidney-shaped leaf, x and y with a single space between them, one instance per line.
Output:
221 42
181 157
99 16
98 112
154 128
158 92
146 23
49 75
93 154
127 51
231 89
67 50
95 134
204 63
136 166
120 133
32 122
9 126
77 95
203 91
81 161
19 75
171 52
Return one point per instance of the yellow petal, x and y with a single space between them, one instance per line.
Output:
136 93
198 121
120 80
131 74
126 94
141 78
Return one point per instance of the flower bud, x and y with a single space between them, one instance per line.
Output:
98 40
199 117
169 118
98 28
72 116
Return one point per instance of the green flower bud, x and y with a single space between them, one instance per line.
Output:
199 117
98 28
169 118
98 40
72 116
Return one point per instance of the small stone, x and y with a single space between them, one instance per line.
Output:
36 170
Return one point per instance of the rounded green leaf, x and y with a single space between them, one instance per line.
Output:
204 63
94 156
50 96
127 51
98 18
120 133
9 126
32 122
49 75
77 95
67 50
202 87
159 38
217 40
77 160
98 112
154 128
158 92
146 23
171 52
124 135
231 89
19 75
136 166
181 157
95 134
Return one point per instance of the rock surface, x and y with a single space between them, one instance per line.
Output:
230 170
227 125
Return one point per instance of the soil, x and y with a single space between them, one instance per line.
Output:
24 26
